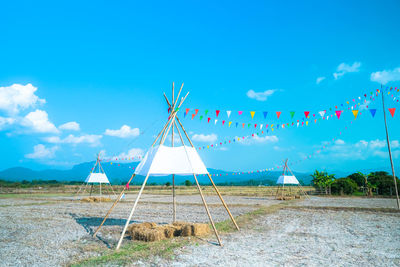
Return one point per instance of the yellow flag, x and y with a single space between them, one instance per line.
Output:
252 113
355 113
307 123
230 124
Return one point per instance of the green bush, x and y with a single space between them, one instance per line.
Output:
343 186
384 182
358 178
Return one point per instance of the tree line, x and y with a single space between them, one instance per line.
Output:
378 183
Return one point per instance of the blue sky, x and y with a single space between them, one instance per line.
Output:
100 65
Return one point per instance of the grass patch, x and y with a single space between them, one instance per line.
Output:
137 250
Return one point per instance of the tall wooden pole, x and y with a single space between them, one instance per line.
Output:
115 203
201 195
390 152
132 211
209 177
173 175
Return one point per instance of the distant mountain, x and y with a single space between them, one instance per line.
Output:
120 173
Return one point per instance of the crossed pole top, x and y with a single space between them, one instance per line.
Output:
173 108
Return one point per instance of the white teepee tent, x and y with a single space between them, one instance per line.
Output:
286 179
162 160
96 176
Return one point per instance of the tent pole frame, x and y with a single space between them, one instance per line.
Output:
202 198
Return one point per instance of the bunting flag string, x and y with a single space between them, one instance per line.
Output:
361 102
278 167
312 117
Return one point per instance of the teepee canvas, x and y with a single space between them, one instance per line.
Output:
288 180
97 176
162 160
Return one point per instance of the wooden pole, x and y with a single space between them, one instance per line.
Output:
208 212
209 176
390 152
112 207
132 211
173 175
202 197
223 202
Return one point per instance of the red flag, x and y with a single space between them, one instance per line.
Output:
392 110
196 110
127 186
278 114
208 120
193 116
223 122
187 110
306 113
217 112
338 113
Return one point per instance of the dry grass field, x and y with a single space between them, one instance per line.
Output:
53 228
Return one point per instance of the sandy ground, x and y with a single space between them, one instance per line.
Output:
56 231
53 232
298 238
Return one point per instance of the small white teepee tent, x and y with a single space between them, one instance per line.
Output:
162 160
286 179
96 176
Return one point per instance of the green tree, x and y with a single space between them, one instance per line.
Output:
358 178
167 184
344 186
383 182
322 180
188 183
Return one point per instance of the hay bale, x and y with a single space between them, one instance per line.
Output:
297 197
171 231
96 199
187 230
200 229
150 232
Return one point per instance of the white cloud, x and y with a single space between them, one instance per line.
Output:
320 79
92 139
344 68
124 132
5 122
132 153
18 97
259 140
360 150
71 126
41 152
339 142
209 138
259 96
386 76
38 121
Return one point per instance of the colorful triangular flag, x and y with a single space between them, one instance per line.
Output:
252 114
392 111
355 113
373 111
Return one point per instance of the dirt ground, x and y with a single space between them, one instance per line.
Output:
54 231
